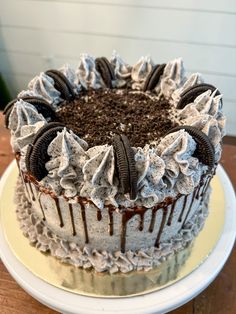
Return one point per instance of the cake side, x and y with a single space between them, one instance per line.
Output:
111 228
85 257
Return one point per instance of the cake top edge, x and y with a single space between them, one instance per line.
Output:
164 167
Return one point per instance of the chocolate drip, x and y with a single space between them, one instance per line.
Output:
40 205
72 219
59 211
163 221
183 208
99 214
199 189
25 185
153 219
141 221
206 185
31 191
123 232
190 207
126 216
171 213
110 213
84 221
201 183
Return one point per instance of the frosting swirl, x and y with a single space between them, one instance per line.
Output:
74 169
150 168
122 70
99 183
22 122
44 85
194 79
206 114
140 72
65 166
182 170
88 75
28 92
72 77
173 78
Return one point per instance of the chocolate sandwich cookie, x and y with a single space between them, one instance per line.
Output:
40 132
125 163
40 104
62 84
153 77
37 156
104 67
193 92
205 151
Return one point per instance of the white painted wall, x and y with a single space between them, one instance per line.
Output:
37 34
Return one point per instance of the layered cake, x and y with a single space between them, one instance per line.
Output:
115 161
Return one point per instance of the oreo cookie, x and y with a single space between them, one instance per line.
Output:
153 77
205 151
37 156
40 104
125 163
62 84
193 92
106 70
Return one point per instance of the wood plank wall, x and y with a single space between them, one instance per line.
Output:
38 34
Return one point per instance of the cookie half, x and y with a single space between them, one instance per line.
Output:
125 165
104 67
62 84
205 151
37 156
153 77
193 92
40 104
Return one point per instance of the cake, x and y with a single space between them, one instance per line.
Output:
115 161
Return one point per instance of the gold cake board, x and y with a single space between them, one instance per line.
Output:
89 283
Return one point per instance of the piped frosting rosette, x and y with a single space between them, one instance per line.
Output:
67 156
205 113
140 71
43 85
24 122
122 70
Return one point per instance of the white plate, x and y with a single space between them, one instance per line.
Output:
161 301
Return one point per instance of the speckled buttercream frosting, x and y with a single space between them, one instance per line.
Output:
101 260
127 168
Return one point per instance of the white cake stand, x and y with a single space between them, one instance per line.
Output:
161 301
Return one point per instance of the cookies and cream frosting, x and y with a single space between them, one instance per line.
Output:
44 85
122 70
72 76
89 76
140 72
24 122
70 252
165 167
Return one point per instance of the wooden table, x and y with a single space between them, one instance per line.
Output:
218 298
